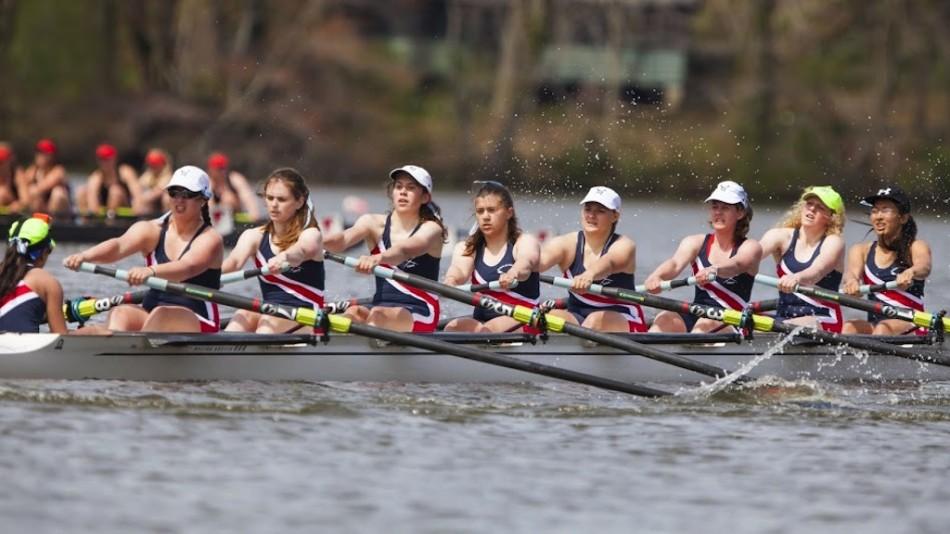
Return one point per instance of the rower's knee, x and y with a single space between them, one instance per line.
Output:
667 321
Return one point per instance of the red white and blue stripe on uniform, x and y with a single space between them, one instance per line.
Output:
301 286
827 313
22 310
912 297
731 292
423 305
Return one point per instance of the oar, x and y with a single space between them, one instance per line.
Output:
761 306
919 318
238 276
762 323
493 285
79 310
342 324
667 285
527 315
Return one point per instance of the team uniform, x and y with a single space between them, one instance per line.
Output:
722 292
583 304
912 297
423 305
526 293
797 305
22 310
206 312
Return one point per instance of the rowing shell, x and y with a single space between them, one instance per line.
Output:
225 356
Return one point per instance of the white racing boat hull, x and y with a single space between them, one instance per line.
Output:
171 357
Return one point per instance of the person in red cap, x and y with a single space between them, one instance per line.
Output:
110 187
231 190
45 181
11 181
152 181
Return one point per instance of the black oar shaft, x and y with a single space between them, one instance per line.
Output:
556 323
310 317
765 323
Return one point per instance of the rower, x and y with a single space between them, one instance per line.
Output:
11 178
410 237
179 246
231 191
45 181
152 182
724 262
291 236
809 250
896 254
110 187
596 255
496 250
30 294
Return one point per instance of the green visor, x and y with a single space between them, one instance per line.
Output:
827 195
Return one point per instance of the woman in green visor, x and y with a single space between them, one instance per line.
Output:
28 294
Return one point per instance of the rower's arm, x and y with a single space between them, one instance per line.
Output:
243 250
131 179
685 252
554 252
362 230
309 246
922 260
774 243
417 244
527 254
51 291
461 268
854 268
746 260
830 257
140 237
56 176
206 252
93 184
618 259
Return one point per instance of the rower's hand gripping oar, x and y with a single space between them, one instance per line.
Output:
79 310
531 316
762 306
932 321
742 319
342 324
238 276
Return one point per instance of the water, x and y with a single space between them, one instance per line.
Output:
112 456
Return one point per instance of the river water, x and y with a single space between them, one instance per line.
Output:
113 456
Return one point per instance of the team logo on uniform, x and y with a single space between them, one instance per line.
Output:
504 268
408 264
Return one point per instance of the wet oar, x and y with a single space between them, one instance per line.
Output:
919 318
342 324
531 316
762 323
238 276
80 310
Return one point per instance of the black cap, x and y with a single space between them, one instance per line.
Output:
892 193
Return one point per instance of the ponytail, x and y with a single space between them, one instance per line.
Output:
902 244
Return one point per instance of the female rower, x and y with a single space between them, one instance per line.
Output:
291 236
29 296
410 238
152 181
897 254
596 255
497 250
110 187
809 250
11 177
724 262
231 190
45 180
180 246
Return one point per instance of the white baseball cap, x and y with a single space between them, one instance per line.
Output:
193 179
730 193
418 174
604 196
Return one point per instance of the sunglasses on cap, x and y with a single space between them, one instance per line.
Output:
181 192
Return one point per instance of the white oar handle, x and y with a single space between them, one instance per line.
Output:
494 285
383 272
597 288
237 276
863 289
121 274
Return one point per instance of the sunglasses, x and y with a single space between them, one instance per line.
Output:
181 192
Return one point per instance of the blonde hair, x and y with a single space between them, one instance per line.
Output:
793 219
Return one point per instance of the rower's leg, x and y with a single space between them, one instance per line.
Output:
117 197
398 319
857 327
501 324
58 200
269 324
127 318
357 313
171 319
704 325
243 321
667 321
465 324
891 327
566 315
607 321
